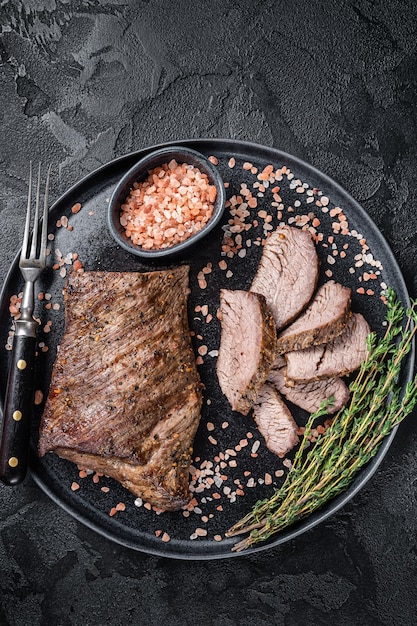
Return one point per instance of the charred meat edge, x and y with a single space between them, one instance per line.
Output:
309 395
324 319
337 358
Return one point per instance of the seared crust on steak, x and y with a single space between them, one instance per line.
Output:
125 394
287 273
247 347
275 422
324 319
337 358
309 395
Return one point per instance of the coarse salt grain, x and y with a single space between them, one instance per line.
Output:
255 446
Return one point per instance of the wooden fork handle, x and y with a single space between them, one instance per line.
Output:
17 414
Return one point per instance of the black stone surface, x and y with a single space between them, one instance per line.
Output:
334 83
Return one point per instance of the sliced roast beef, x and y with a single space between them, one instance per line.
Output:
275 422
336 358
324 319
310 395
287 273
125 394
247 347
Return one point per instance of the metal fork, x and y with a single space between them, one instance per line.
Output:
18 405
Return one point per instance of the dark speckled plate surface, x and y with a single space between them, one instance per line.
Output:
233 468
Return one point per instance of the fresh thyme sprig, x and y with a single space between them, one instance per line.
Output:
377 405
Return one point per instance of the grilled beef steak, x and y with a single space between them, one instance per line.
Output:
336 358
324 319
309 395
247 347
287 273
125 394
275 422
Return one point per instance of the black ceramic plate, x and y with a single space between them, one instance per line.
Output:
233 468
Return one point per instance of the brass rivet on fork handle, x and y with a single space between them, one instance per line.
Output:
18 404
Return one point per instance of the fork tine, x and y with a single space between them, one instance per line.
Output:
44 235
36 219
27 222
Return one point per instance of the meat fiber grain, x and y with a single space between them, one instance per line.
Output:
337 358
324 319
275 422
309 395
287 273
247 347
125 394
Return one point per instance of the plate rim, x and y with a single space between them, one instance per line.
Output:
334 505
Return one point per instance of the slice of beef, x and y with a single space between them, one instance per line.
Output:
324 319
310 395
125 394
247 347
275 422
287 273
334 359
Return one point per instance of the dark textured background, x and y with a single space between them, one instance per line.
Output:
333 82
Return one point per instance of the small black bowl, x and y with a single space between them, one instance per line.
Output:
138 173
